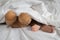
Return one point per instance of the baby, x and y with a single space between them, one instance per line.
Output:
45 28
40 26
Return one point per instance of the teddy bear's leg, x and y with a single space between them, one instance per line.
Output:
10 17
24 19
16 25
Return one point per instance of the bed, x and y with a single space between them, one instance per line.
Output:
24 34
7 33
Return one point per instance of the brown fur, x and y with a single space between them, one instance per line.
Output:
10 17
23 20
17 21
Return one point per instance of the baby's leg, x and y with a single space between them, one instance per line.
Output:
35 25
24 19
10 17
47 28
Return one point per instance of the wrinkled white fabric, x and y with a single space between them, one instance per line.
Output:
24 34
18 7
41 15
39 11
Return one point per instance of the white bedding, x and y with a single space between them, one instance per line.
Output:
26 33
47 10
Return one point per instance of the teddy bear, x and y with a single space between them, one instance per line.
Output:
17 21
23 20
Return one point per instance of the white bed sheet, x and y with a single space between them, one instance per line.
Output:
25 34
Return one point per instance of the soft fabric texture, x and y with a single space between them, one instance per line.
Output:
34 14
25 34
22 34
45 15
37 9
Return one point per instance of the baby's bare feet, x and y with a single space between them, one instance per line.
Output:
47 28
35 27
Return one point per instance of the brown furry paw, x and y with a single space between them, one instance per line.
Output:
24 18
10 17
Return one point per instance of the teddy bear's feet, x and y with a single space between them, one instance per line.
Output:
10 17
